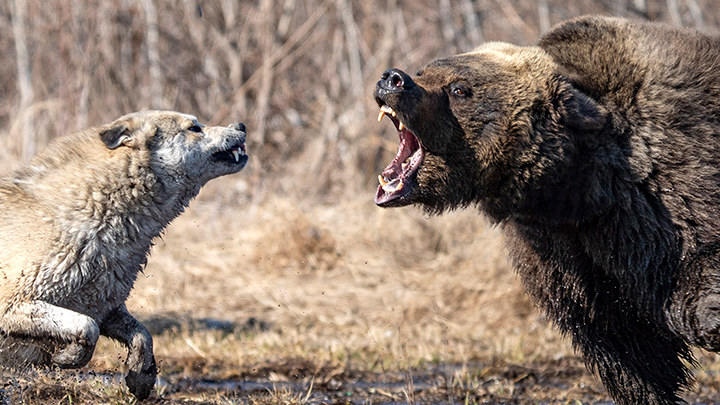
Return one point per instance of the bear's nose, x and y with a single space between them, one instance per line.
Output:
238 126
395 80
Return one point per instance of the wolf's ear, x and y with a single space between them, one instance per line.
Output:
124 131
116 136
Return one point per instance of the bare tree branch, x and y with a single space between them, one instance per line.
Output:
153 53
543 16
472 25
674 12
268 40
351 37
24 79
640 6
515 19
448 28
696 13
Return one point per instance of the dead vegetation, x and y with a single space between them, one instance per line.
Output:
423 309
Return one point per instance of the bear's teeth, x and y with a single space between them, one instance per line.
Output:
236 154
393 186
386 109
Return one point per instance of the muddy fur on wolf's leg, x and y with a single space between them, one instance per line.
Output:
18 353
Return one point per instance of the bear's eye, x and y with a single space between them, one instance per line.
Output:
195 128
459 90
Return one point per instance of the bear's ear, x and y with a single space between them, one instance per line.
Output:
123 132
582 112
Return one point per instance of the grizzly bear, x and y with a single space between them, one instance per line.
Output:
77 224
598 153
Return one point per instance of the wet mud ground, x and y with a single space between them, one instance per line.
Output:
435 384
194 381
297 381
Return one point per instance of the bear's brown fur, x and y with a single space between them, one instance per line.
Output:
598 152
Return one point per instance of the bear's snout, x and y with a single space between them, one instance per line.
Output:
395 80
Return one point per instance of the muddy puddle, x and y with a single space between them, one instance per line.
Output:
296 381
556 382
195 381
289 382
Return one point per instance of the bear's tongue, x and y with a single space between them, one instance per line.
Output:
395 180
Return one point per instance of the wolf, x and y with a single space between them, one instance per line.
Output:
76 227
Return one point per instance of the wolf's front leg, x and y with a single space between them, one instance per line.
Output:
121 326
41 320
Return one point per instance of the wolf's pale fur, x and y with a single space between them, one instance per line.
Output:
76 226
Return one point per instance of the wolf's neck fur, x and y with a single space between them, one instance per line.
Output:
105 208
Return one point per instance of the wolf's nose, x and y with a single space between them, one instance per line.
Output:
239 126
395 80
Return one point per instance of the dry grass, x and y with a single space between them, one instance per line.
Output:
295 241
339 278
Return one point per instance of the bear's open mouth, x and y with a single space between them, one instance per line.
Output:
234 155
396 181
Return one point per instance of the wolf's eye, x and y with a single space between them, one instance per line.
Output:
195 128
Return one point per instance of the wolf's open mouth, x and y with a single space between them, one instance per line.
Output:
396 181
234 155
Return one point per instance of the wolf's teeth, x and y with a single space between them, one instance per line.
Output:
401 126
236 154
381 115
382 181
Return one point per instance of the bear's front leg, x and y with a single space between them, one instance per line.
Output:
705 324
694 312
41 320
121 326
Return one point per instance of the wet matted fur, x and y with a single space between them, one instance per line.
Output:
598 152
77 224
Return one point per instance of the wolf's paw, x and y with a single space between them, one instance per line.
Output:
142 383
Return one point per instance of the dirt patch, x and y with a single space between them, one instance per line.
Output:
552 382
195 381
201 376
